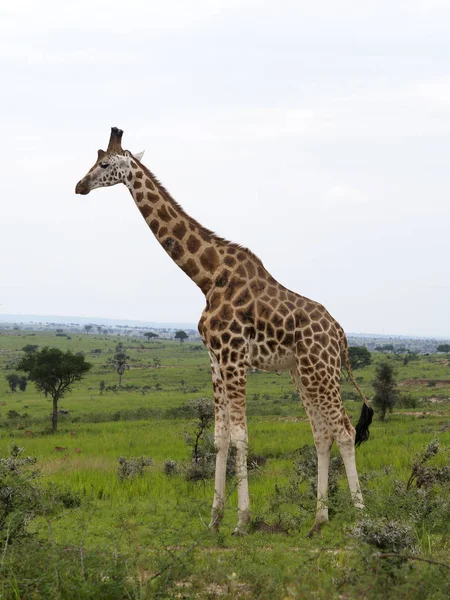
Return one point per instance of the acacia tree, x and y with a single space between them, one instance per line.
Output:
149 335
181 335
385 348
119 361
385 386
359 357
54 372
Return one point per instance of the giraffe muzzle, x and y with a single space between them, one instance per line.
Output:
82 188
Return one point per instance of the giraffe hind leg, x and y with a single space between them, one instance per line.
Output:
323 441
346 444
329 422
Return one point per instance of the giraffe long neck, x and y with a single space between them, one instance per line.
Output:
196 250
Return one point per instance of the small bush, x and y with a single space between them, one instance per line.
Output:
64 496
19 494
407 401
170 467
391 536
132 467
425 476
199 471
13 414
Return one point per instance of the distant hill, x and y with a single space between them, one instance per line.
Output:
93 320
368 339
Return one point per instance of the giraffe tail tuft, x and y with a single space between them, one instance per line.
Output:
365 419
362 427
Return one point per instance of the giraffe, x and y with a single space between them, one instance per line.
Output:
250 320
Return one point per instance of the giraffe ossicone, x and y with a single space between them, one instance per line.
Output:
250 320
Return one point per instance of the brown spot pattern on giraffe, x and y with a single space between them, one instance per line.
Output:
193 244
179 230
190 268
146 211
163 214
210 259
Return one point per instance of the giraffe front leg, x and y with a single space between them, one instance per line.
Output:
235 383
221 443
323 441
239 439
323 449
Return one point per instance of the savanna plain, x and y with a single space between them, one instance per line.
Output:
98 519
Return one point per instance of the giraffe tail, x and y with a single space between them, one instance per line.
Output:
365 419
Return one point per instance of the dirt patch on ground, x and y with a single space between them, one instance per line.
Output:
421 413
435 383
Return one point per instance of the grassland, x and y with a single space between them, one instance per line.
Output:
146 537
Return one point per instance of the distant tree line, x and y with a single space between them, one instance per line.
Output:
443 348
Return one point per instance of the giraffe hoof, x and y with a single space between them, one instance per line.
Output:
239 532
316 529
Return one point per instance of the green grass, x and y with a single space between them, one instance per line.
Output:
153 521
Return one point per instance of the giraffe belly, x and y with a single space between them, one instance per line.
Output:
279 360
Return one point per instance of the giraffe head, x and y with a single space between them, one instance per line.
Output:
110 168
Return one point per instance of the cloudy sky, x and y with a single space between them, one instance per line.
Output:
315 133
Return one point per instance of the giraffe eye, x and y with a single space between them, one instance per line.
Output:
104 165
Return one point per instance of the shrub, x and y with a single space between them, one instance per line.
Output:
391 536
64 496
170 467
13 414
19 494
201 470
425 476
407 401
132 467
203 410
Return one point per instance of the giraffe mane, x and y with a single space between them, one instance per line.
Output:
204 230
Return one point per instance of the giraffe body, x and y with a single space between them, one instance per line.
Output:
250 320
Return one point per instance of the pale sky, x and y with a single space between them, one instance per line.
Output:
315 133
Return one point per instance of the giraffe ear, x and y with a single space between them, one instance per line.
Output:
139 155
100 154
